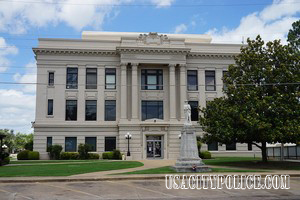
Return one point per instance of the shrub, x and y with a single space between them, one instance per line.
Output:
6 160
117 154
54 151
107 155
33 155
23 155
83 150
205 155
93 156
69 156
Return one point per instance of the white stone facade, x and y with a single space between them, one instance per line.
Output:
128 54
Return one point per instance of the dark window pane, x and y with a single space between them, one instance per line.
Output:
213 146
192 80
70 144
91 78
194 110
72 78
110 143
231 147
92 142
50 107
110 110
249 147
210 82
152 110
224 85
71 110
110 78
152 79
49 143
91 110
51 79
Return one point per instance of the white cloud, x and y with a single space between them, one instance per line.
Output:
162 3
6 50
28 77
273 22
16 110
181 28
17 17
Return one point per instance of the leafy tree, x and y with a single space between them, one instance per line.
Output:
294 35
9 139
262 103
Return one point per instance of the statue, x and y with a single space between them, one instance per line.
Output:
187 113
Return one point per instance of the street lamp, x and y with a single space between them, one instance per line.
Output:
128 137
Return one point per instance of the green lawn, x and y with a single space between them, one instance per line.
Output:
65 169
51 161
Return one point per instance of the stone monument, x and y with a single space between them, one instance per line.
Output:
189 160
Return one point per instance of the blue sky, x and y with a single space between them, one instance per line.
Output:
23 21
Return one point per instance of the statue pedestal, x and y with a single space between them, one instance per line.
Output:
189 160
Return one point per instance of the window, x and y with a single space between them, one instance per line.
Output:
110 110
51 79
92 142
192 80
249 147
152 109
49 143
71 110
72 78
50 107
213 146
194 110
110 78
152 79
210 82
224 85
70 144
90 110
91 78
231 147
110 143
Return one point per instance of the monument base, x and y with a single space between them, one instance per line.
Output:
189 169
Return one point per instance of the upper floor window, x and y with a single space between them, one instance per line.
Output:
72 78
152 79
71 110
152 110
224 85
210 81
110 78
110 110
91 78
192 80
51 79
50 107
194 110
91 110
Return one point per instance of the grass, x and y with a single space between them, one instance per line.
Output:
65 169
50 161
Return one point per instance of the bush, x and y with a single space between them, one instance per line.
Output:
33 155
6 161
54 151
23 155
69 156
107 155
205 155
117 154
83 150
93 156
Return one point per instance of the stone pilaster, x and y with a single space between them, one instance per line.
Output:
134 93
101 89
183 89
172 92
123 91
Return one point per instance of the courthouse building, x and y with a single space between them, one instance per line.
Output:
97 89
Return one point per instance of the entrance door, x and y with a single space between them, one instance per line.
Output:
154 146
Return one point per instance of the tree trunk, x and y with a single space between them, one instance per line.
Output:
264 152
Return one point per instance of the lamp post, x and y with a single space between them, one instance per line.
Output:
128 137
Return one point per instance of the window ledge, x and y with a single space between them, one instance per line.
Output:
50 86
50 116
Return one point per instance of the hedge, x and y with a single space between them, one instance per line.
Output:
33 155
115 155
93 156
69 156
205 155
107 155
23 155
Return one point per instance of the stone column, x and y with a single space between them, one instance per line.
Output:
134 93
101 93
201 88
123 91
183 89
172 92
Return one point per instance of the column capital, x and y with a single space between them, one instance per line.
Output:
172 67
182 65
123 65
134 66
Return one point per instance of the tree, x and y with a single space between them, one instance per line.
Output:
9 139
262 103
294 35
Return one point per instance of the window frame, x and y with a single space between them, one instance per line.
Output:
75 139
105 142
93 145
66 119
189 76
193 114
48 143
106 111
225 88
207 75
159 74
51 83
93 85
86 108
50 112
114 73
160 106
75 84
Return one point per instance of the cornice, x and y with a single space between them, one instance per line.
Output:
56 51
159 50
211 55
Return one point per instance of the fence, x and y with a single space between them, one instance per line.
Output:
290 152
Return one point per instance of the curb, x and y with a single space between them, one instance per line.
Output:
106 179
